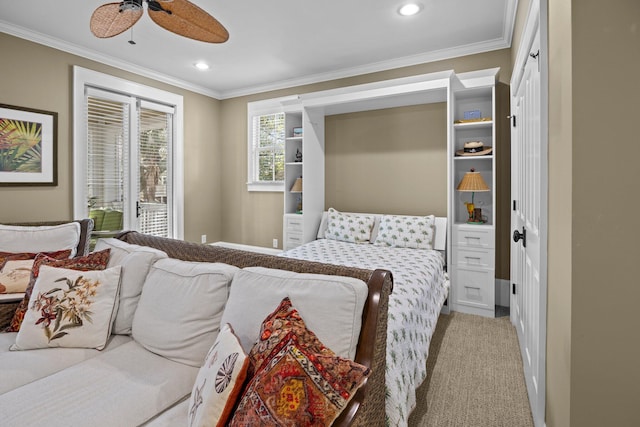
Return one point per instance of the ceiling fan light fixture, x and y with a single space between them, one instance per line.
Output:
409 9
202 66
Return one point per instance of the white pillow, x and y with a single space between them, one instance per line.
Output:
70 308
14 238
322 229
402 231
135 261
349 228
331 306
219 382
15 275
178 314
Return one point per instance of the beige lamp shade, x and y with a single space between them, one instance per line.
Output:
472 181
297 186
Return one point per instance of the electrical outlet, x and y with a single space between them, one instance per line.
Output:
203 238
275 243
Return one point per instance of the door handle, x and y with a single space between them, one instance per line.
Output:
520 236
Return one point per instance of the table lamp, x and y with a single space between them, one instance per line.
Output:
472 181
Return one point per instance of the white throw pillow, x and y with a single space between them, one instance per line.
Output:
70 308
135 261
219 382
179 311
331 306
349 228
401 231
14 238
15 275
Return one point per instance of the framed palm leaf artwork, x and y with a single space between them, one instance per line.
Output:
28 146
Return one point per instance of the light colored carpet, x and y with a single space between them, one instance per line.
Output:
475 376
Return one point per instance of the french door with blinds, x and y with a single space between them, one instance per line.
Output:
128 163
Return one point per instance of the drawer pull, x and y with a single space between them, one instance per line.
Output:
472 287
473 257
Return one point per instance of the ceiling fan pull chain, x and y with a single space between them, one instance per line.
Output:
131 41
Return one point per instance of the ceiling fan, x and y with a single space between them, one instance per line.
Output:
178 16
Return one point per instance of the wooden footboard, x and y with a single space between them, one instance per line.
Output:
367 408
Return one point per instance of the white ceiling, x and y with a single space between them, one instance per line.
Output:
273 43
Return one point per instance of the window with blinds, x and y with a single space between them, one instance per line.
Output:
128 168
267 149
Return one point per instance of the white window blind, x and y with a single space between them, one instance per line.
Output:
107 154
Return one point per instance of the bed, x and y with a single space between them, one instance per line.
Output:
420 289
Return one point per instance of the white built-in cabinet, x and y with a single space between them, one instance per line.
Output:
470 247
304 158
472 268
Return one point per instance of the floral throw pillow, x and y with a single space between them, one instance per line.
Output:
349 228
400 231
93 261
15 269
298 381
219 382
70 308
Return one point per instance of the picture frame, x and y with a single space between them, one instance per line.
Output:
28 147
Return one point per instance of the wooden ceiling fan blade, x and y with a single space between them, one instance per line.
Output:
109 20
186 19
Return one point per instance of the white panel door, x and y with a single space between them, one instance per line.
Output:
527 307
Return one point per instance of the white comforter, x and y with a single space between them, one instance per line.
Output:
419 290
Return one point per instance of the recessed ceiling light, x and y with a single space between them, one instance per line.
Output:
409 9
201 65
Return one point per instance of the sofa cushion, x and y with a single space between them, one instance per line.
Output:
179 310
70 308
18 368
219 382
331 305
126 386
135 261
93 261
15 269
296 385
15 238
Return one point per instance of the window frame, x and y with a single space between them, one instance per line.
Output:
258 109
84 78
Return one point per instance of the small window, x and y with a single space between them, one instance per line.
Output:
266 153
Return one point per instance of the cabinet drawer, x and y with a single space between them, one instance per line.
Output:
480 237
474 287
295 224
473 258
294 239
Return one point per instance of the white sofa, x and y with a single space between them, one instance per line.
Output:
168 314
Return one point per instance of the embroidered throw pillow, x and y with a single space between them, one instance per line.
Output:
15 269
93 261
70 308
283 320
219 382
349 228
401 231
297 386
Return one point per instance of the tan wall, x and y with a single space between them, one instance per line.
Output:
36 76
605 341
388 161
256 218
559 284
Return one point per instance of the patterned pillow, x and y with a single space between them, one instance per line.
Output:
93 261
219 382
284 319
401 231
15 269
298 387
349 228
70 308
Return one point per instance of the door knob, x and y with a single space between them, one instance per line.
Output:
520 236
